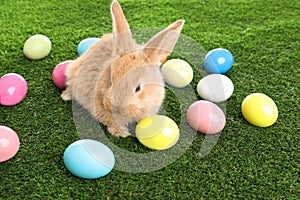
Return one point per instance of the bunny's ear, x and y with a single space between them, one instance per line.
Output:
121 29
161 45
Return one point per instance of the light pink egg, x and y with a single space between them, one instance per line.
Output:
9 143
206 117
58 74
13 89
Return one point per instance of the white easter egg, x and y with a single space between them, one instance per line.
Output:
215 88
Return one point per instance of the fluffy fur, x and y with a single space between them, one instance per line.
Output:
119 81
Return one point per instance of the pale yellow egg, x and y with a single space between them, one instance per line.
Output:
177 73
37 47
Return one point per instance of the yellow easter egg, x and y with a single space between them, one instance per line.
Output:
37 47
157 132
177 73
259 110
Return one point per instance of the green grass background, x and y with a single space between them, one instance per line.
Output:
247 163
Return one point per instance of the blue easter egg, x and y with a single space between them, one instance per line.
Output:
89 159
218 61
85 44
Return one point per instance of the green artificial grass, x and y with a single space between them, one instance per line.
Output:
246 163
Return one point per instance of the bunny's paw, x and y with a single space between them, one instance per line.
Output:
66 95
119 131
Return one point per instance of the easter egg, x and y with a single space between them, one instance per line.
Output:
58 74
9 143
177 73
13 89
157 132
259 110
206 117
37 47
215 87
218 61
85 44
89 159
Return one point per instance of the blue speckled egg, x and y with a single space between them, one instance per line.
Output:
218 61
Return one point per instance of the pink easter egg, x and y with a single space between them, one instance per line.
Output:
9 143
58 74
206 117
13 89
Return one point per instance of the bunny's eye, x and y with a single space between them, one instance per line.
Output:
138 88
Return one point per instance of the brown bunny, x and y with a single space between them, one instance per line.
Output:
119 81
